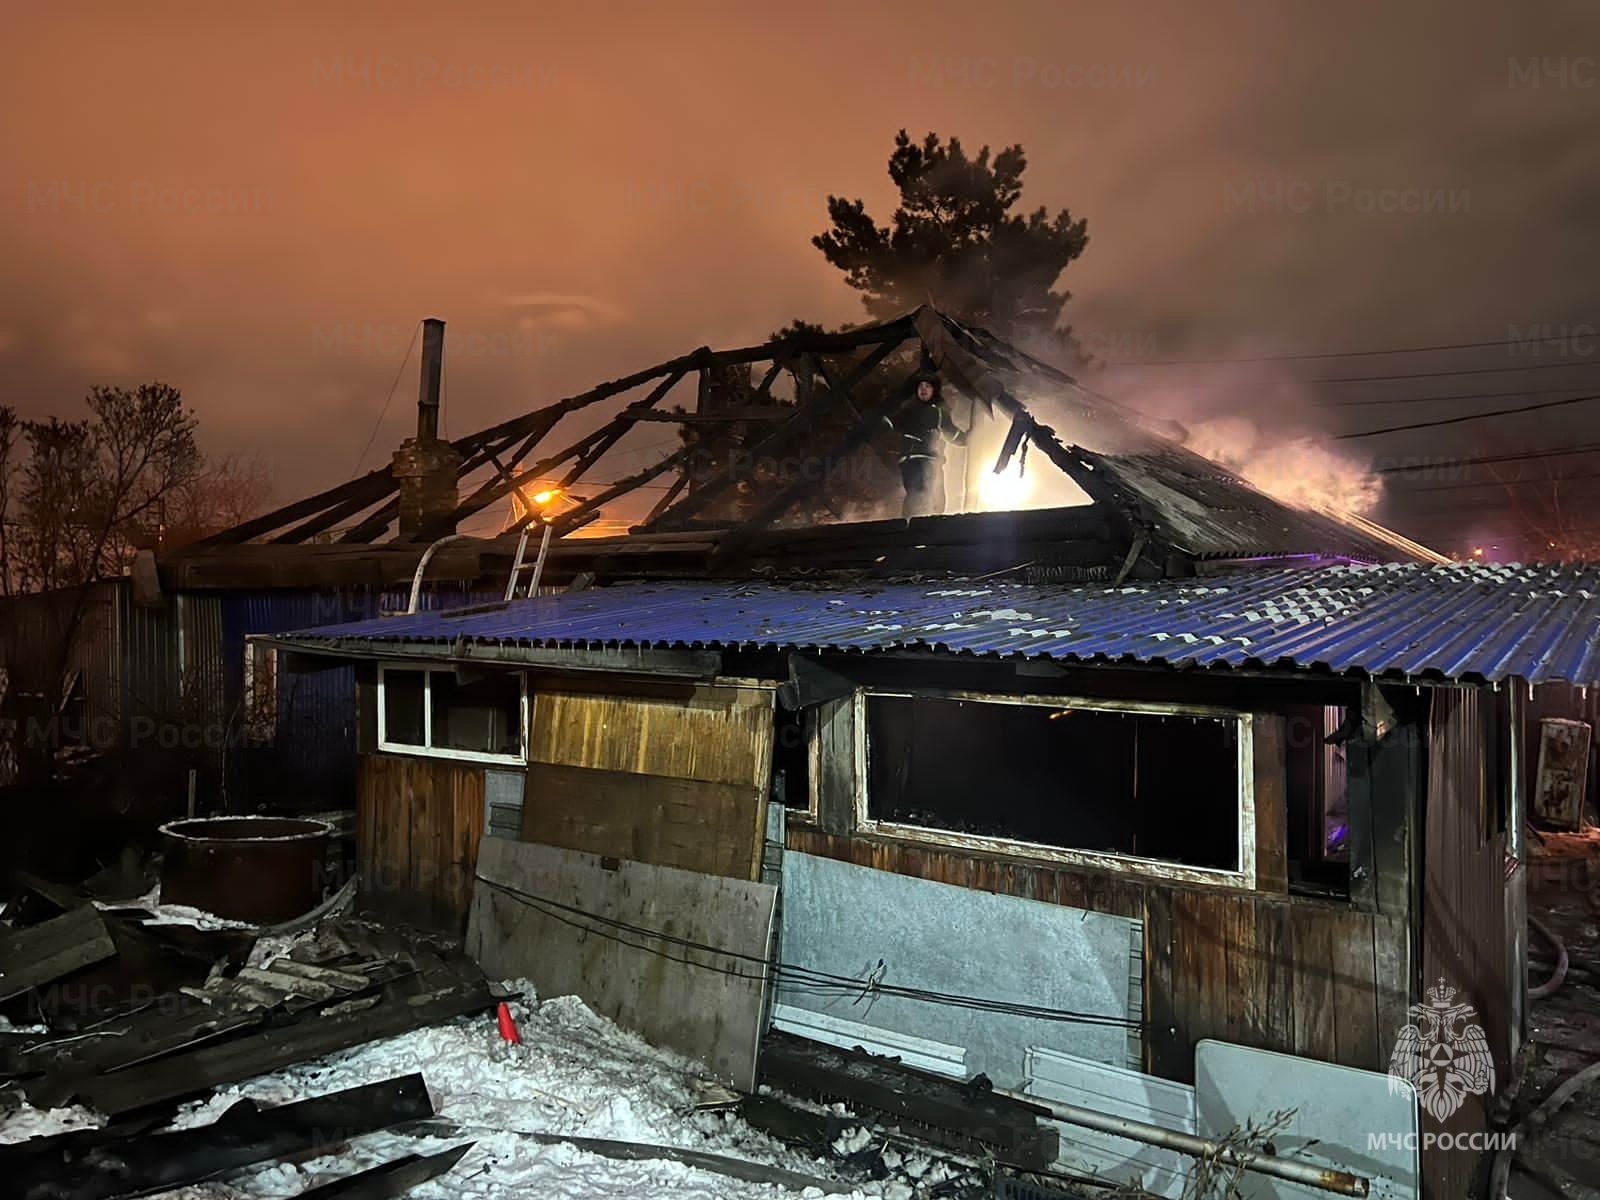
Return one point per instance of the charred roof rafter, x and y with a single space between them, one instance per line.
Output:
1164 507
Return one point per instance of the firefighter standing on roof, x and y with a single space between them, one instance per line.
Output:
923 427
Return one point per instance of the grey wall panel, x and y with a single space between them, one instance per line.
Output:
710 1007
502 796
845 919
1364 1122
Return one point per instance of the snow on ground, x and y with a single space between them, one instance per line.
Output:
575 1074
29 1122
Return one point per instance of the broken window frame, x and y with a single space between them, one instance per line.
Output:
1244 876
429 750
260 690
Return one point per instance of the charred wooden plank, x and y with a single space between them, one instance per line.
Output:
390 1179
181 1075
1274 945
53 1071
1312 954
719 1164
1271 803
241 1137
1167 1052
40 954
1010 1128
724 416
802 422
806 1129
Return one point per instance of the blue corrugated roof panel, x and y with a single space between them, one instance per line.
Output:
1459 621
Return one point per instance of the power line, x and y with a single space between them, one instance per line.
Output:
1483 416
1509 456
1321 403
378 424
787 975
1401 493
1260 383
1497 344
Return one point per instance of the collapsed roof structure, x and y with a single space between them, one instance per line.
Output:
1150 507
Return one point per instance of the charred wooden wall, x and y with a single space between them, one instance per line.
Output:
1464 937
418 822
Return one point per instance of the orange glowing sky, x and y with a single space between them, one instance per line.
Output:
580 190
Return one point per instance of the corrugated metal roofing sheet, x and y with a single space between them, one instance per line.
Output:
1460 621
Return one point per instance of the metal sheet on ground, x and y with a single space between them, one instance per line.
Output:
845 919
1338 1108
1119 1092
707 1006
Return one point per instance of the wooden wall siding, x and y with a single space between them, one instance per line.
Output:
655 819
1464 938
1297 975
676 781
418 823
716 734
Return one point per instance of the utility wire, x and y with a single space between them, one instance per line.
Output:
788 975
1322 403
1509 456
1401 493
378 424
1498 344
1483 416
1258 383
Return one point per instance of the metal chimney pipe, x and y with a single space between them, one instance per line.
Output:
432 368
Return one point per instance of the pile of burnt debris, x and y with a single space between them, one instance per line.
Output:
128 1159
112 1008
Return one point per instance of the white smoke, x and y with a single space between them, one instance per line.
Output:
1296 470
1256 423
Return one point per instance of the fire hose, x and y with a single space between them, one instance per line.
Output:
1500 1173
1549 985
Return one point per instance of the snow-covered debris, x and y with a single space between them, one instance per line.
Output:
575 1074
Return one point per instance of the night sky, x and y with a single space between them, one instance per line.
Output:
258 203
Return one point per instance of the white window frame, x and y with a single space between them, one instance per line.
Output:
1242 877
429 670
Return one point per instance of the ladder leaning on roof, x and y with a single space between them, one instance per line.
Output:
520 563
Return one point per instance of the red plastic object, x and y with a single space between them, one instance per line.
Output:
508 1027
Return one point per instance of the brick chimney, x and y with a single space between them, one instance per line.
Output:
424 466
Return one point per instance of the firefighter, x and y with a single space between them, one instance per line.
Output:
923 425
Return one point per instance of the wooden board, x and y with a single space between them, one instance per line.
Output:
39 954
418 823
713 734
676 778
833 767
259 1053
709 1006
1272 803
715 828
1464 938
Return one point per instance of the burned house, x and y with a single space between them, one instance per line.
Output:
1177 797
1160 791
